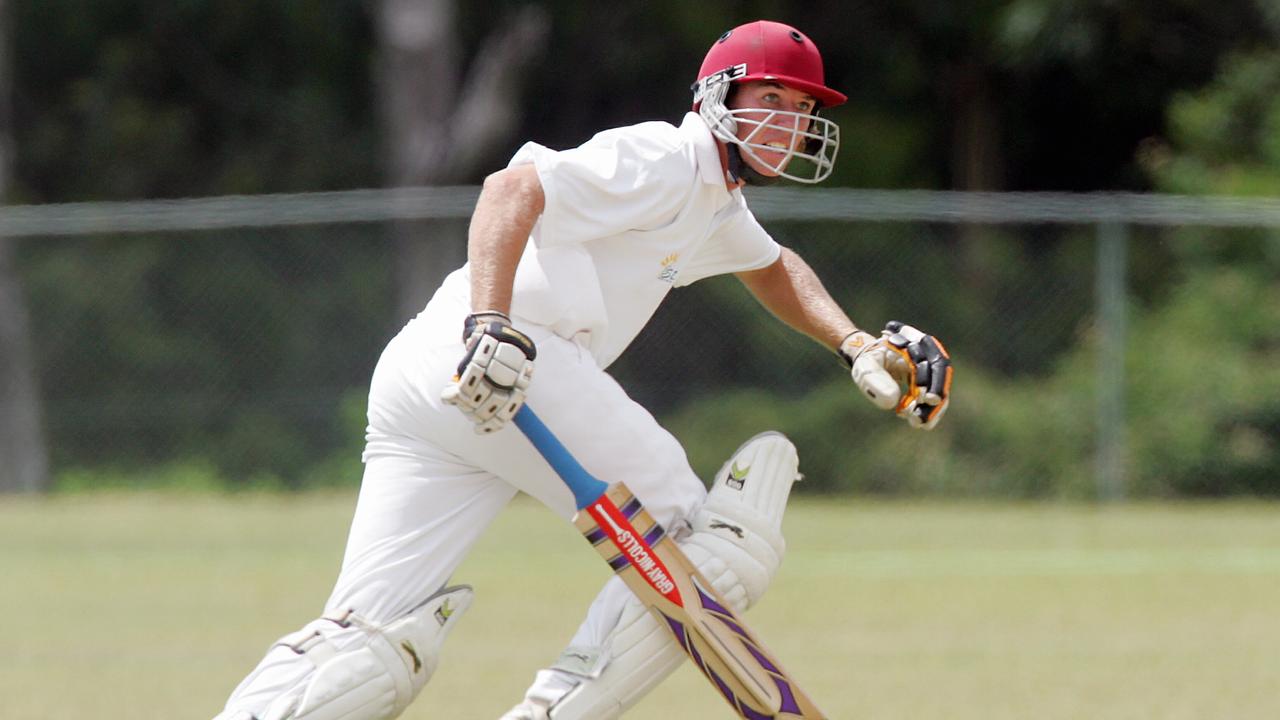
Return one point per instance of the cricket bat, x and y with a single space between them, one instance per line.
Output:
727 652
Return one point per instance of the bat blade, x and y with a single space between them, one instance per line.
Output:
719 643
658 572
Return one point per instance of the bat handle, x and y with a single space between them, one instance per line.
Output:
584 486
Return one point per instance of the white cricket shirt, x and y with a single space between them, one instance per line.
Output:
630 214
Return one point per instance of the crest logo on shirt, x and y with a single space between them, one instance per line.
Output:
669 270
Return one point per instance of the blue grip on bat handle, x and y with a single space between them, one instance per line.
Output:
585 487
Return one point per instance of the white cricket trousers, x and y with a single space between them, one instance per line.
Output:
432 485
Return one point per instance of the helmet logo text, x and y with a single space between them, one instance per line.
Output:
728 74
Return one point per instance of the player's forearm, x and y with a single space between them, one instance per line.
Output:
509 205
791 290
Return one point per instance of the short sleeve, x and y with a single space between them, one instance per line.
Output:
738 244
609 185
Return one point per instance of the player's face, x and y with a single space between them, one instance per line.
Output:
769 127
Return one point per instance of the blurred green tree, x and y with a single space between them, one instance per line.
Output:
131 99
444 115
1223 139
136 99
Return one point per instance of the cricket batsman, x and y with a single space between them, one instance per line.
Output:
569 255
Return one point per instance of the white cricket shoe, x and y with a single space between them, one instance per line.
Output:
527 710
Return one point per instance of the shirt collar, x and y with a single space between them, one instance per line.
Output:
705 147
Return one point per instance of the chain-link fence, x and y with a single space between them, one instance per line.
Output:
1105 345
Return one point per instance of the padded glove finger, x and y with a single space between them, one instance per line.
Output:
866 359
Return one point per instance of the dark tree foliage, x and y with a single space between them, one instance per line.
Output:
129 99
134 99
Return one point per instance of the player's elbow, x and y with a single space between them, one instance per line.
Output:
518 185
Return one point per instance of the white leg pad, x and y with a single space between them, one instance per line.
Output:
741 521
375 677
736 543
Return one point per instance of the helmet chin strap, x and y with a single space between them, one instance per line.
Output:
740 170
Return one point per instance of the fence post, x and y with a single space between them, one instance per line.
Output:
1112 308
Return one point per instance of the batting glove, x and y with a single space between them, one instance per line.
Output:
495 372
903 370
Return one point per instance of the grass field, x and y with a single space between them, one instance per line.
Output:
153 606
